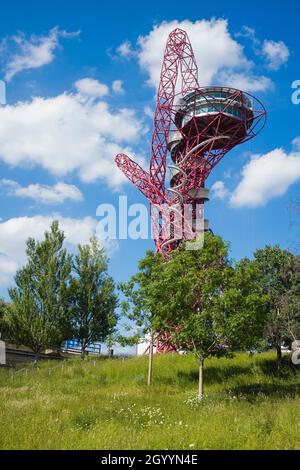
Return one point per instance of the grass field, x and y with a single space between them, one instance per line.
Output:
108 406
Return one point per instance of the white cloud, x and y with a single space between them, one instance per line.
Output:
91 88
8 268
125 50
15 231
117 87
265 177
296 143
66 134
149 112
217 54
276 53
44 194
248 32
219 191
33 52
246 82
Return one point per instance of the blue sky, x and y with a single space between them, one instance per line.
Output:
81 80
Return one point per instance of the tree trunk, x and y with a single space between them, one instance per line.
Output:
150 366
278 355
36 358
201 383
82 355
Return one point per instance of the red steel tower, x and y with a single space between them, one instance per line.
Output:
194 127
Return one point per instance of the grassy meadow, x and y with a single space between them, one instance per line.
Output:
106 405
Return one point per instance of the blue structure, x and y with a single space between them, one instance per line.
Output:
75 346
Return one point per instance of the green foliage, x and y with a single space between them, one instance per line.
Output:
39 313
3 325
207 305
108 406
93 296
279 274
200 299
243 307
214 306
188 288
55 299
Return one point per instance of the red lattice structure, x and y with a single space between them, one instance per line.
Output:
194 128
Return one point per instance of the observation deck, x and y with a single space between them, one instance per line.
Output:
199 109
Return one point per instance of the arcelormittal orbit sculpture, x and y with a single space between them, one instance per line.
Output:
195 127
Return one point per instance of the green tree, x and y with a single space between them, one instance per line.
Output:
94 300
3 326
280 280
204 303
243 309
39 313
209 306
289 306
